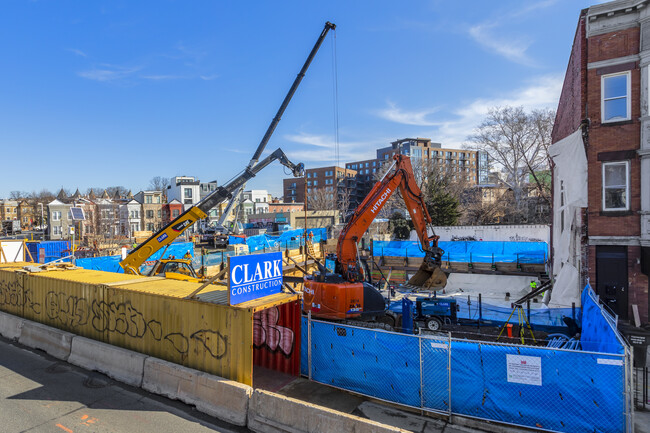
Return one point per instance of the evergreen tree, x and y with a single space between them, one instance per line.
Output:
399 226
441 204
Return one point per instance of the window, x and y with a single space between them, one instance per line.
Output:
159 213
150 227
315 174
149 214
315 182
309 183
188 193
615 91
157 201
147 199
56 230
175 213
308 174
616 185
56 216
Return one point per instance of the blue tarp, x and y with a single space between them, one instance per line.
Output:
112 263
469 251
571 391
599 332
288 239
52 250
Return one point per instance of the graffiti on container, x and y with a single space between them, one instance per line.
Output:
267 333
122 318
69 310
213 341
12 294
517 238
179 341
125 319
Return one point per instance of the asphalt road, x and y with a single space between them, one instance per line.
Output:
39 393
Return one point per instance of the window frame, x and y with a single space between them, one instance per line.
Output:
628 97
626 163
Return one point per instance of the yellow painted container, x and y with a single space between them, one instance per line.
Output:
12 296
144 314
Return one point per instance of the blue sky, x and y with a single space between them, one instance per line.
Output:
102 93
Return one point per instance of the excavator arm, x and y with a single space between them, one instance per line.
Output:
399 176
165 236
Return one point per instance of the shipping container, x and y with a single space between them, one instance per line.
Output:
153 315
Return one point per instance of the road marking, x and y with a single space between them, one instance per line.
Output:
64 428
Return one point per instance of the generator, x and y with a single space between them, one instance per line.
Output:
433 312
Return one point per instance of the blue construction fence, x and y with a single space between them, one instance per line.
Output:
533 386
48 251
112 263
290 239
469 251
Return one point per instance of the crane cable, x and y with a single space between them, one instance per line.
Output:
335 91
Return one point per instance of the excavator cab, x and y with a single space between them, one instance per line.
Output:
177 269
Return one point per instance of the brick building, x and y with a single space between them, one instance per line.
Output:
605 93
330 179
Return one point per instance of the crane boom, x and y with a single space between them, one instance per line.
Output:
166 235
274 123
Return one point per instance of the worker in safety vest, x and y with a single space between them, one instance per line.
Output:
533 286
187 256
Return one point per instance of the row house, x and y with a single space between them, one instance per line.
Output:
119 216
603 124
152 208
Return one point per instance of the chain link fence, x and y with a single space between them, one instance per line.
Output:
532 386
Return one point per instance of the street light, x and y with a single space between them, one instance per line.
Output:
42 227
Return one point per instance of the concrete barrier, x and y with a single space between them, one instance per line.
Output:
120 364
269 412
10 326
51 340
213 395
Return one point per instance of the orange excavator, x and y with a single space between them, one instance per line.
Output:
346 293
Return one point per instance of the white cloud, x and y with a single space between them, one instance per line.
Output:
161 77
107 73
77 52
543 92
320 148
513 49
395 114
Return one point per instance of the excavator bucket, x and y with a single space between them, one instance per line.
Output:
429 276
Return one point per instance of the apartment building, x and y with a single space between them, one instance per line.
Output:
604 105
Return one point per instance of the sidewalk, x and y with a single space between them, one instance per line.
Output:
397 416
382 412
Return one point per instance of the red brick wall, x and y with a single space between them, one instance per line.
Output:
620 43
570 110
607 138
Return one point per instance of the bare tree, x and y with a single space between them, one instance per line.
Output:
159 183
16 195
343 199
321 199
517 143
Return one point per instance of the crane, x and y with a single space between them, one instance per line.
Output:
166 235
345 294
221 224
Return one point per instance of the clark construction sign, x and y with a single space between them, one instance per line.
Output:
254 276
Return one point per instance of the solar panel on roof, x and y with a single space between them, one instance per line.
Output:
77 214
